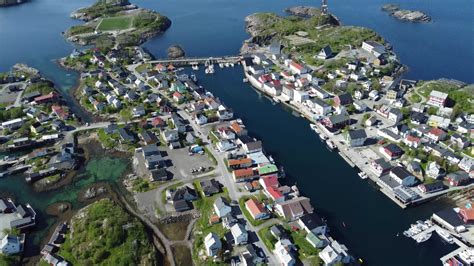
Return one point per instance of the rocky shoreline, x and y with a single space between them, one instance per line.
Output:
405 14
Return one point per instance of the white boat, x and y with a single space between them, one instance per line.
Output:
331 145
362 175
195 67
221 65
232 64
226 64
322 136
245 80
194 78
276 99
445 236
314 127
422 237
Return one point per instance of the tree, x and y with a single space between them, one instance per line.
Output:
126 115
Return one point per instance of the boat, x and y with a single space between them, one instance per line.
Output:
276 99
194 78
322 136
232 64
362 175
270 158
245 80
331 145
314 127
445 236
422 237
195 67
221 65
226 64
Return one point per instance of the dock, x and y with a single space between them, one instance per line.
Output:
190 61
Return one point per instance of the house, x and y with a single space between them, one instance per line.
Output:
252 146
374 48
224 113
334 253
178 123
464 127
402 176
170 135
436 134
125 136
395 115
212 244
297 68
467 165
269 181
239 234
316 241
138 111
380 166
374 95
412 141
51 97
239 163
159 174
225 145
13 124
274 194
60 112
391 151
200 119
458 178
312 223
460 141
183 193
356 138
268 169
437 98
417 118
244 174
433 170
10 245
318 106
300 96
320 93
210 187
221 207
438 121
467 215
226 133
284 250
360 106
337 121
249 256
148 137
293 209
238 129
178 97
256 209
342 99
371 121
431 187
325 53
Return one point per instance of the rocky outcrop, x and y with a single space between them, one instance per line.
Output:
175 51
405 14
11 2
304 11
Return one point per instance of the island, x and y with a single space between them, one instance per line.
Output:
4 3
112 23
405 14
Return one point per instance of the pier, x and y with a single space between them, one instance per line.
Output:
190 61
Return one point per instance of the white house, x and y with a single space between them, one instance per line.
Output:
356 138
318 106
170 135
334 253
300 96
213 244
374 48
320 93
221 207
297 68
284 252
10 245
200 119
239 234
433 169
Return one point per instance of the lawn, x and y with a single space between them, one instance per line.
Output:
115 23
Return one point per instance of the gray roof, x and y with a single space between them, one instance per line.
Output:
357 134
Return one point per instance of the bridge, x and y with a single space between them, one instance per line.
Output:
186 61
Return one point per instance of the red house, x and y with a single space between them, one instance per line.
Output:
51 97
467 215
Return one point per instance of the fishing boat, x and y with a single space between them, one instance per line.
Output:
331 145
362 175
445 236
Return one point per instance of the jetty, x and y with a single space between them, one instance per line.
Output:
190 61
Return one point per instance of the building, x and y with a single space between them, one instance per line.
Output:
245 174
294 208
431 187
356 138
374 48
391 151
402 176
437 98
239 234
316 241
256 209
10 245
221 207
325 53
334 253
284 250
380 166
312 223
239 163
342 99
210 187
213 244
458 178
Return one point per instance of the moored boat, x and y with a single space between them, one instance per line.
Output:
331 145
362 175
445 236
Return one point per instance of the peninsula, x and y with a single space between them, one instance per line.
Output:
112 23
405 14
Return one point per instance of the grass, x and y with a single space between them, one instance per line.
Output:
268 239
305 249
143 185
54 178
211 157
182 255
174 231
115 23
107 235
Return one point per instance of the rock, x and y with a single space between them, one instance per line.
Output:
175 51
90 193
405 14
303 11
62 207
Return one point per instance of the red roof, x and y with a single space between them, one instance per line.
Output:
157 121
243 172
467 214
412 138
274 193
59 111
270 181
177 94
236 162
254 207
437 131
236 127
46 97
296 65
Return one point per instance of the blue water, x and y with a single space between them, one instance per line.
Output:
30 33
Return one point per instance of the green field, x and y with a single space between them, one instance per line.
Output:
115 23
